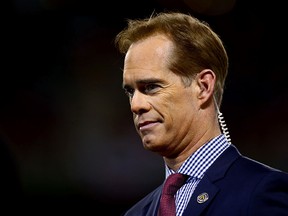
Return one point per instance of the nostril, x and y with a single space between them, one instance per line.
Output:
138 111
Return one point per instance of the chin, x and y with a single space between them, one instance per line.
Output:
151 146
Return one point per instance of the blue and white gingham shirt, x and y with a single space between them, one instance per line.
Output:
195 166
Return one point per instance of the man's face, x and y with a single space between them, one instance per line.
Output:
163 108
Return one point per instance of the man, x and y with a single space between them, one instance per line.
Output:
174 73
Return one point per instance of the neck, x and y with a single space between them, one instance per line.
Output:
175 163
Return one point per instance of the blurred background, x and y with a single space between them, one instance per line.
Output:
67 138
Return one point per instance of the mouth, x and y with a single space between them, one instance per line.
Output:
146 125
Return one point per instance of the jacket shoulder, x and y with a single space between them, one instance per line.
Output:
147 206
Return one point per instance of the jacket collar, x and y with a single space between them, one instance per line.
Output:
206 189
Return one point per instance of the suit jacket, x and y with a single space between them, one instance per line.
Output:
235 186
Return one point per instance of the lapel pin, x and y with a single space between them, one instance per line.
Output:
203 197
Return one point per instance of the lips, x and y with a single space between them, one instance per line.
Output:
145 124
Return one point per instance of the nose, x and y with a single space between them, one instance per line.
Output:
139 103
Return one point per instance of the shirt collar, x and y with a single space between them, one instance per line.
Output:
197 163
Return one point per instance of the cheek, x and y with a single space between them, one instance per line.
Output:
179 98
169 108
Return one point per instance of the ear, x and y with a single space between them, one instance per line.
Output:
205 80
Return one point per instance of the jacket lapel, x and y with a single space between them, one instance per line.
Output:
206 189
202 196
152 209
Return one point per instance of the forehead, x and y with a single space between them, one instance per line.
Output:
153 50
149 55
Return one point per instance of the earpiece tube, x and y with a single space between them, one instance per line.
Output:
222 123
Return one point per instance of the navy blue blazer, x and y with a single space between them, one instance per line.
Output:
236 186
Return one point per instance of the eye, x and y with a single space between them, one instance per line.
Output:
129 92
151 88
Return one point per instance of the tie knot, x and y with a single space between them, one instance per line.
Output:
173 183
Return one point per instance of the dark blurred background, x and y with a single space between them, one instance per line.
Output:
67 138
